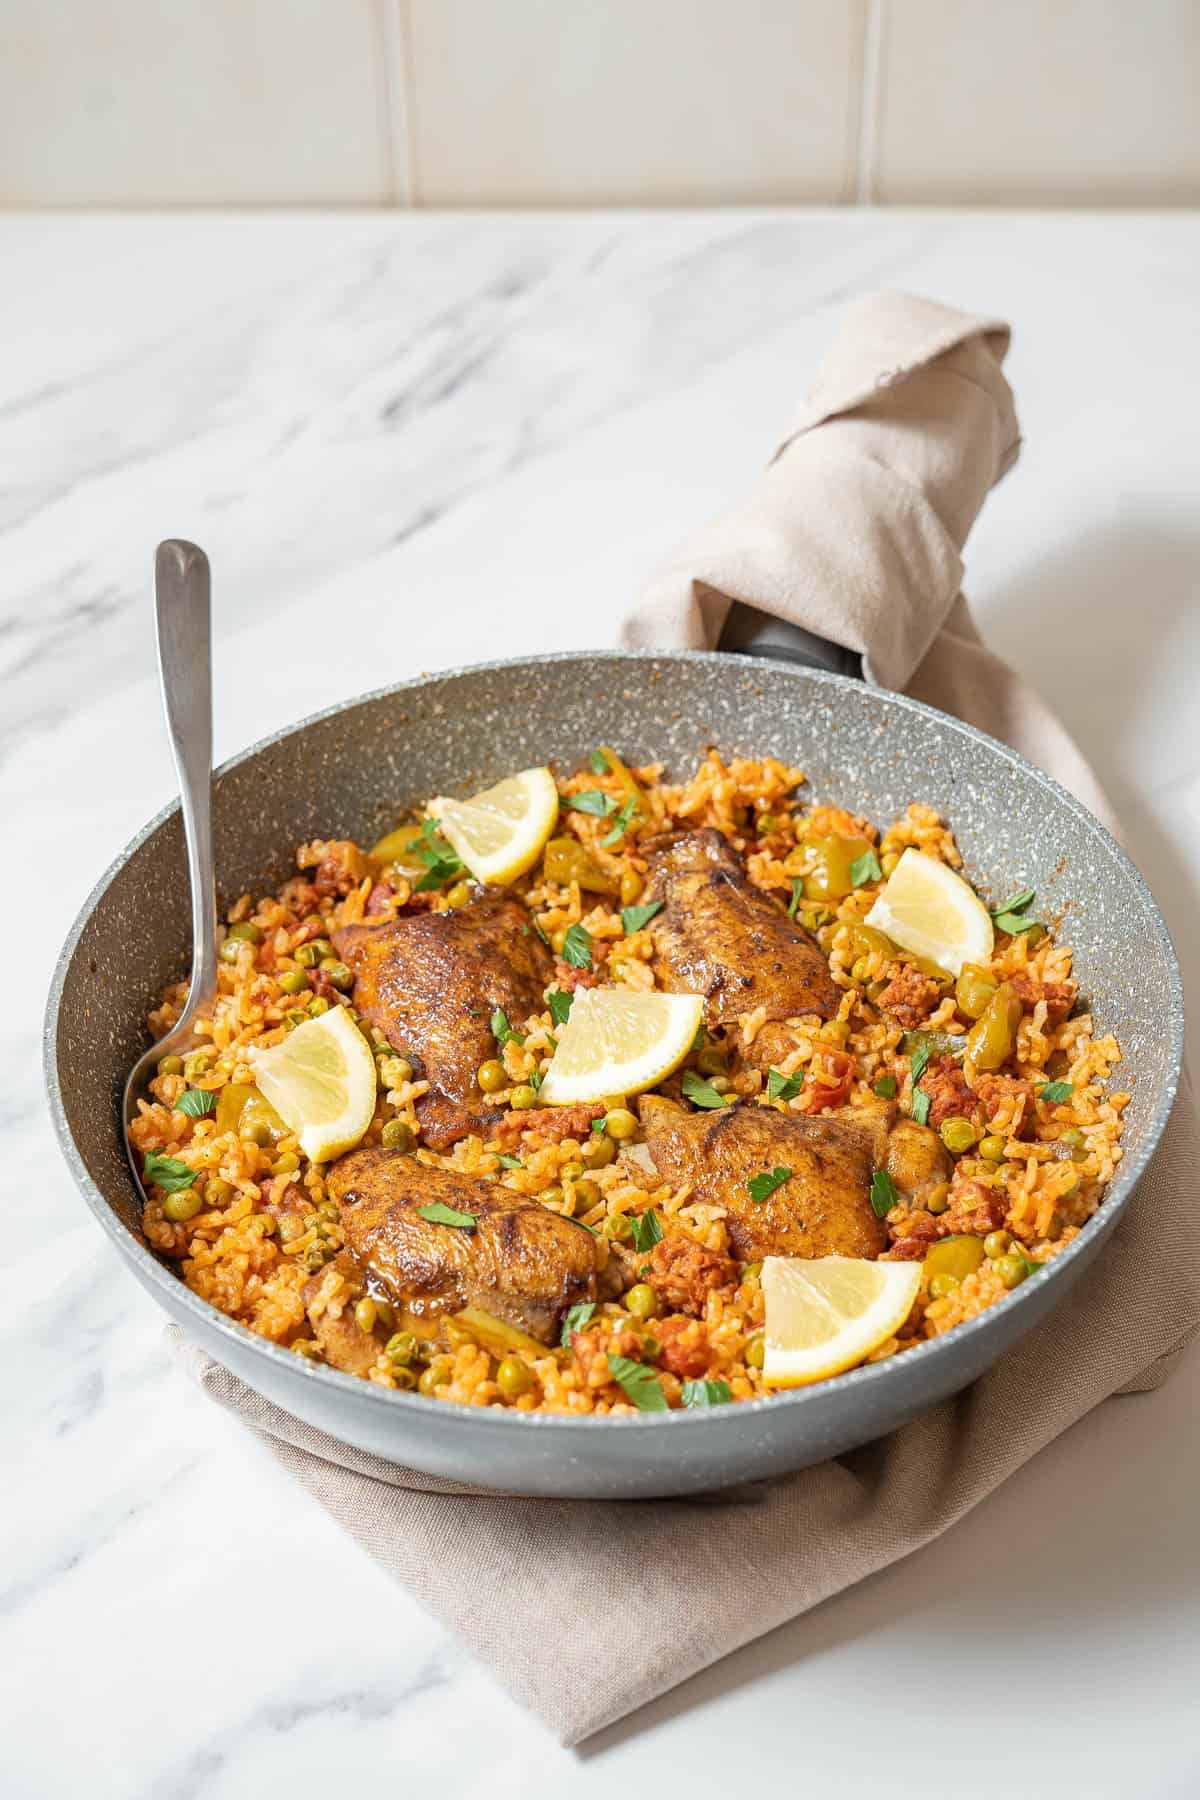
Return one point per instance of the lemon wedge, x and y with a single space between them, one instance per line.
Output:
930 911
827 1314
500 832
321 1082
619 1043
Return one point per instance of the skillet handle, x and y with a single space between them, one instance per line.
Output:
749 632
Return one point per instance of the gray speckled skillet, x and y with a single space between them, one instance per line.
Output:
349 772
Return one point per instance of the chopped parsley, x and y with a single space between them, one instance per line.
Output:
437 1214
865 868
167 1172
541 931
920 1106
761 1187
640 1384
885 1087
783 1087
646 1230
1011 916
620 824
920 1060
706 1393
442 863
577 947
510 1162
597 1124
576 1319
560 1004
1054 1091
599 762
197 1103
591 801
534 1079
701 1092
797 895
502 1031
1031 1267
634 917
883 1193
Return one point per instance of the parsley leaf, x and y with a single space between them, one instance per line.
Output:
167 1172
541 931
865 868
510 1162
761 1187
1017 904
706 1393
920 1060
783 1087
535 1079
620 824
577 947
797 895
502 1031
920 1107
599 762
701 1092
597 1124
1054 1091
634 917
438 1214
575 1320
883 1193
885 1087
440 858
591 801
640 1384
560 1004
197 1103
646 1230
1031 1267
1013 923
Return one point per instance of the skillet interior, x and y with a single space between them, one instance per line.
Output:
352 771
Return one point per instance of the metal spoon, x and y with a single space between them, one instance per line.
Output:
182 613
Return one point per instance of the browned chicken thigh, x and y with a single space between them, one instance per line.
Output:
823 1208
519 1261
431 984
720 937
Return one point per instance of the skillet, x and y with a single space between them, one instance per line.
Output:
353 770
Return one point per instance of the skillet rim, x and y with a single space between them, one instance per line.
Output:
466 1418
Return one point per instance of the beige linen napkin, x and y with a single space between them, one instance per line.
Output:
855 531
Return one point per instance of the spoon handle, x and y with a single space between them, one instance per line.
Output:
183 621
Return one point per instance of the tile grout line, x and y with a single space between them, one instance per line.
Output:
870 97
392 48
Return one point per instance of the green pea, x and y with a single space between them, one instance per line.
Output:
314 1258
245 933
755 1352
291 1227
618 1227
318 1006
170 1065
492 1076
1011 1270
364 1314
402 1347
992 1148
458 895
522 1098
198 1063
287 1164
599 1151
587 1194
435 1376
256 1131
996 1244
229 950
571 1171
293 981
712 1060
958 1135
182 1206
338 974
397 1134
941 1285
937 1200
294 1019
216 1192
402 1070
513 1378
642 1301
620 1123
314 952
407 1379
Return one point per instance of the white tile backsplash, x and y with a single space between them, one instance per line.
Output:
588 102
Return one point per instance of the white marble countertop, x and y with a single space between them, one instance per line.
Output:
409 441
